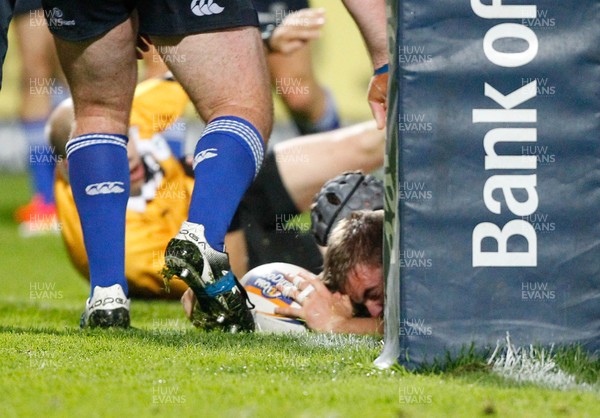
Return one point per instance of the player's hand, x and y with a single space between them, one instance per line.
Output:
296 30
320 309
377 97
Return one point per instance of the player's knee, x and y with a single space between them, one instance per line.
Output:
99 115
268 122
260 116
254 105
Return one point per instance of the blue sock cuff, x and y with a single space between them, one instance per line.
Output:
86 140
242 131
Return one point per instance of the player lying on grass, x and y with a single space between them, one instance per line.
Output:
347 297
160 189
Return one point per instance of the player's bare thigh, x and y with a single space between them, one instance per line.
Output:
224 73
102 74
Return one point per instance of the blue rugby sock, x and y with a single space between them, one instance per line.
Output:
41 160
99 176
227 158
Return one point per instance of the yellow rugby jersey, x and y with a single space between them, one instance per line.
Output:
157 103
153 218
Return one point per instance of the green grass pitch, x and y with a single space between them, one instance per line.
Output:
164 367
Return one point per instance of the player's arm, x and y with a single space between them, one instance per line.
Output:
363 326
371 19
326 155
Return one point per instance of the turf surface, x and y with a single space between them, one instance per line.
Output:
163 367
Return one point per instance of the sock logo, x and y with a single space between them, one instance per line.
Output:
204 155
205 8
106 187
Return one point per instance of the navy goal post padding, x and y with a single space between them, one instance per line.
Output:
492 177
